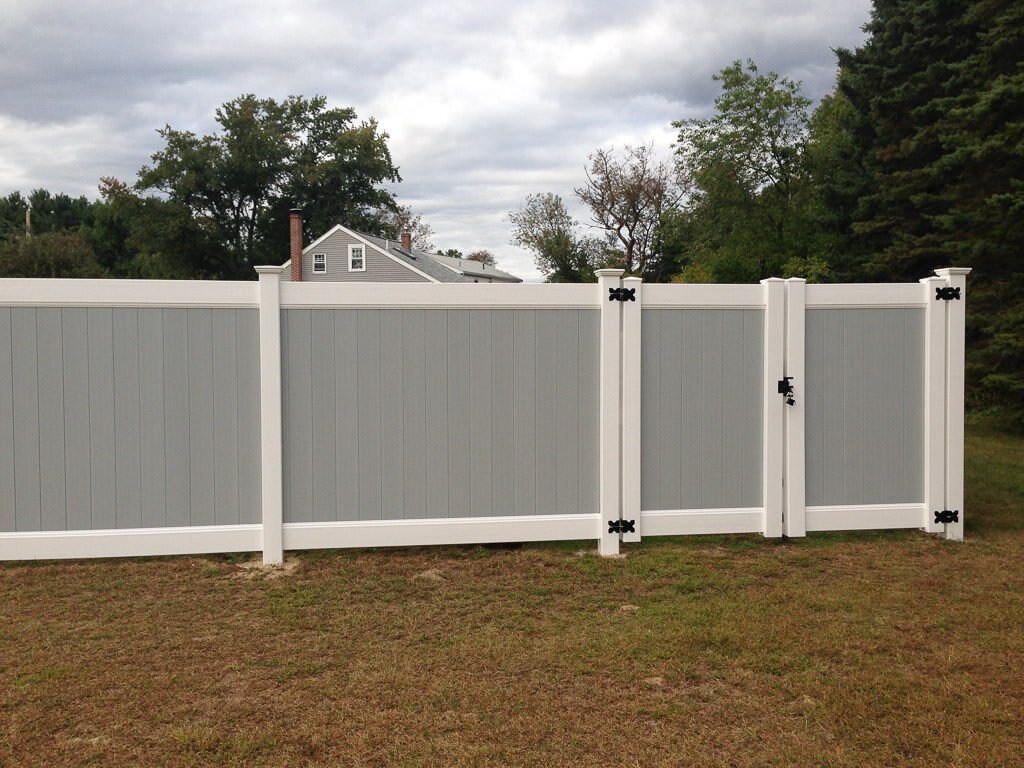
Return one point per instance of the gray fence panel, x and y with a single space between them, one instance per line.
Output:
439 413
127 418
701 408
864 406
7 486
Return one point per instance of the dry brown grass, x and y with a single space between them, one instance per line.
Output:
844 650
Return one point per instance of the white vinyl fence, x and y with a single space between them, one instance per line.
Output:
148 418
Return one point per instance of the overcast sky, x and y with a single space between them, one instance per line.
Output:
485 102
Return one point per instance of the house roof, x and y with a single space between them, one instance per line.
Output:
443 269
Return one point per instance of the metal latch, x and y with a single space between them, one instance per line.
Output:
621 526
947 294
786 389
622 294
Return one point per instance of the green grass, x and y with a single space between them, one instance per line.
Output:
855 649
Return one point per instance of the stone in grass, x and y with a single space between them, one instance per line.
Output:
431 576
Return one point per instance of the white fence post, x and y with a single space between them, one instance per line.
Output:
271 459
795 487
934 404
956 280
772 446
631 413
611 409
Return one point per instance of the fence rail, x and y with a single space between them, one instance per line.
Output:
151 417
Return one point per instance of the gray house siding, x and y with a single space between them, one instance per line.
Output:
865 411
128 418
439 413
379 268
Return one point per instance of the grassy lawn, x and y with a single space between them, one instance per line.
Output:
873 649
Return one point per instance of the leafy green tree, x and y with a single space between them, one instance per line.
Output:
50 254
544 226
936 92
748 216
235 187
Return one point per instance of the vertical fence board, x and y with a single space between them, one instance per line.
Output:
102 451
176 417
590 406
25 396
77 446
392 415
248 410
297 341
503 413
323 436
346 414
546 447
524 403
200 415
459 426
225 417
369 398
7 465
53 485
127 418
435 372
152 432
479 405
414 400
567 403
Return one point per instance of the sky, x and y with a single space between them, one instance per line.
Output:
484 101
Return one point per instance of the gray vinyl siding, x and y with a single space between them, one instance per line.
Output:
439 413
128 418
701 408
379 268
864 406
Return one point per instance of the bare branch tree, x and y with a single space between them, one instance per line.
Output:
627 197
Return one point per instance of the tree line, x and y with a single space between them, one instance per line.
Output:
915 161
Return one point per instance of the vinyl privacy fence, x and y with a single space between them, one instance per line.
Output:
145 418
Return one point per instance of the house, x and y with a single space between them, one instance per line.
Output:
342 254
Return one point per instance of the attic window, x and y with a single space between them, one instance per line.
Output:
319 263
356 259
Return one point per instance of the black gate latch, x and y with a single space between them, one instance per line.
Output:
621 294
947 294
786 389
621 526
947 516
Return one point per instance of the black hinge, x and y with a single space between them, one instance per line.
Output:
621 526
947 516
947 294
786 389
621 294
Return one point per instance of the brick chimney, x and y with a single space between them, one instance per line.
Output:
407 241
295 218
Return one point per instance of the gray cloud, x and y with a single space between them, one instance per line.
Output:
485 101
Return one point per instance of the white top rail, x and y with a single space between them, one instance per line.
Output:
717 296
866 295
33 292
440 295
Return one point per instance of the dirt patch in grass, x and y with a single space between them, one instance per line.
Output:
892 649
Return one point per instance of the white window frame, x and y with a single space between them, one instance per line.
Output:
351 257
319 263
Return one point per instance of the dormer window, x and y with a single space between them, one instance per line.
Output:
356 259
319 263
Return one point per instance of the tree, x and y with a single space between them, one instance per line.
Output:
544 226
747 213
402 220
50 254
936 92
483 256
627 198
235 187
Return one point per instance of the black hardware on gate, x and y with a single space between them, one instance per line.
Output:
947 294
621 526
947 516
786 389
622 294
